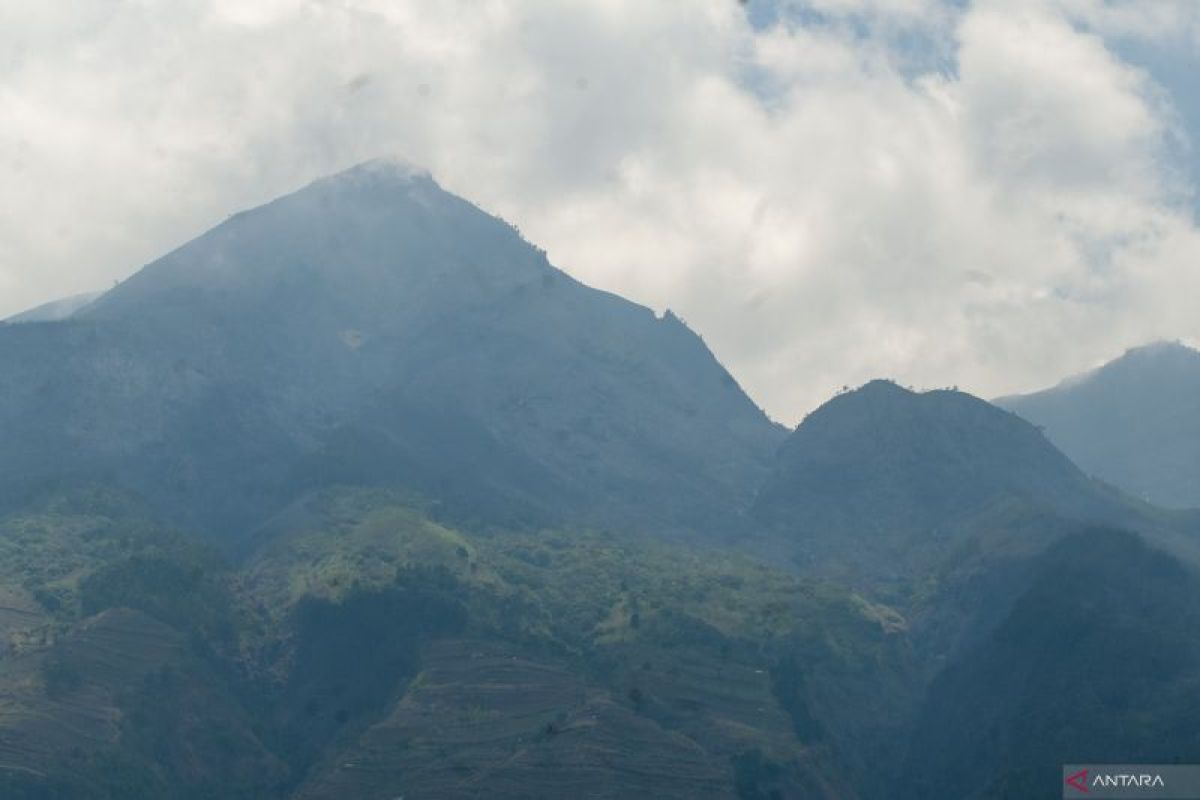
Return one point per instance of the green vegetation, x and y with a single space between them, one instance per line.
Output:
366 649
321 636
54 547
348 657
188 595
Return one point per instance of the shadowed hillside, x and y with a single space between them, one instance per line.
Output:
887 482
1097 662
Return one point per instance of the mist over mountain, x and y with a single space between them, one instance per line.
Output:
1134 422
374 327
357 495
56 309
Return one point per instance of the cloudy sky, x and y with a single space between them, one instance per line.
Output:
987 194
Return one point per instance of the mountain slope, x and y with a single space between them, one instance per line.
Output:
105 688
1134 422
886 481
55 310
367 651
586 660
1097 662
374 327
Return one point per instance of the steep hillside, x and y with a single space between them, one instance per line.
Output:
1097 662
372 327
1134 422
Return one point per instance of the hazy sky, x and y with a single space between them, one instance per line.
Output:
988 194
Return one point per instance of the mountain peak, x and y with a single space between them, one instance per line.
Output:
371 240
378 172
374 327
883 387
885 397
1134 421
1159 354
879 473
1162 347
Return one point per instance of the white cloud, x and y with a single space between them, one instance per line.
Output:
818 211
1049 105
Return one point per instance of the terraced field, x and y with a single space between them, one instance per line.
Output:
118 701
488 720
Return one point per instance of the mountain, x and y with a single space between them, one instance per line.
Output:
356 495
1135 422
56 309
996 554
374 328
884 480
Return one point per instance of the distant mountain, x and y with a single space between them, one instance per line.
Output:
374 328
1134 422
55 310
885 480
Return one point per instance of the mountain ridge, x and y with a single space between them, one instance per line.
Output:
1134 422
885 478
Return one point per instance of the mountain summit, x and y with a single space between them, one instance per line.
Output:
1134 422
373 327
379 241
881 475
